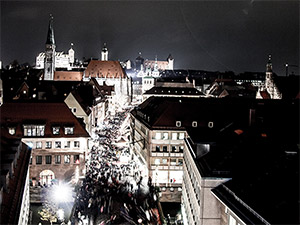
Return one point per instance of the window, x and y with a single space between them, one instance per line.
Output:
174 148
157 148
158 136
157 162
210 124
48 144
58 144
180 162
165 148
38 144
164 161
173 162
30 160
165 136
48 159
174 136
55 130
181 149
69 130
76 144
178 123
67 159
181 136
76 158
74 110
67 144
12 130
34 130
57 159
194 124
38 159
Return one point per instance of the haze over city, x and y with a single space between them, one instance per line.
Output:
220 35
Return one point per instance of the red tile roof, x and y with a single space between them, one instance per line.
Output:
48 114
68 75
105 69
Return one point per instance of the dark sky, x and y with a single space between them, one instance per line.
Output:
207 35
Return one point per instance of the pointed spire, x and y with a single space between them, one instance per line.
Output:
104 49
50 36
269 64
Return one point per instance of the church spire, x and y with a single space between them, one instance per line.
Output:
50 36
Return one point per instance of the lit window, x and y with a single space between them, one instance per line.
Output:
67 159
57 159
12 130
164 161
30 160
232 221
76 144
181 136
34 130
157 162
48 144
38 144
210 124
174 136
48 159
38 159
194 124
55 130
165 136
69 130
76 159
158 136
178 123
58 144
67 144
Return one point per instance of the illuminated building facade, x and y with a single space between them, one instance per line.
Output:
59 142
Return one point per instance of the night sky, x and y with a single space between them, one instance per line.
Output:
218 35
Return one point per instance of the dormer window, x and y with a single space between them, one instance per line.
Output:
69 130
55 130
12 130
178 123
34 130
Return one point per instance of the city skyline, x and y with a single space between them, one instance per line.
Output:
220 35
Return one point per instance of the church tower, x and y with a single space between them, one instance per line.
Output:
49 62
170 62
104 53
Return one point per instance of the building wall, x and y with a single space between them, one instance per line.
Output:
162 165
77 110
200 206
63 170
24 212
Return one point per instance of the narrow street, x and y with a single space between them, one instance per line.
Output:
114 190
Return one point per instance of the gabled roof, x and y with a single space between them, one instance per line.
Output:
48 114
105 69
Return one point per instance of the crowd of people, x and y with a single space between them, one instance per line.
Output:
114 192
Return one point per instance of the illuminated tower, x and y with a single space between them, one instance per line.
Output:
104 53
269 83
71 53
49 63
170 62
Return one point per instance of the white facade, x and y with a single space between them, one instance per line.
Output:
24 212
199 205
147 83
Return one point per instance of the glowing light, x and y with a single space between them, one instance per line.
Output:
60 214
62 193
